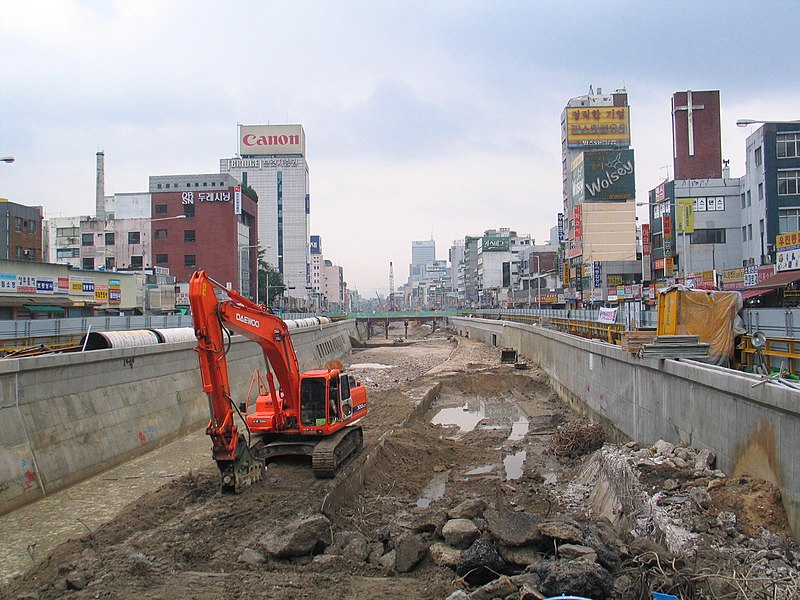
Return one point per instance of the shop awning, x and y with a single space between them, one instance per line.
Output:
44 308
751 293
778 280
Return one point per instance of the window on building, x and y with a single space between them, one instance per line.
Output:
87 264
750 232
67 253
162 259
788 145
159 186
708 236
748 198
110 262
161 209
188 210
788 182
67 231
760 191
18 223
189 260
167 186
744 233
160 234
87 239
134 237
136 262
188 235
30 226
658 240
758 157
109 239
788 220
743 204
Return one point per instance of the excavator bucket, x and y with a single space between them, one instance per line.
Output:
243 471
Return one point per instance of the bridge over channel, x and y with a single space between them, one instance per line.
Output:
375 320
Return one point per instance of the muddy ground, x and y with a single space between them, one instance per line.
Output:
495 447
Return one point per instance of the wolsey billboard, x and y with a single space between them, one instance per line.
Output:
270 140
608 175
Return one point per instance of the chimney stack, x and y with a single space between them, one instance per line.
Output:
100 196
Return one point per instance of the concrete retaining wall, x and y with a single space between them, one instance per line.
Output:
66 417
750 429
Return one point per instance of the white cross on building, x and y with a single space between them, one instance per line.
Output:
689 123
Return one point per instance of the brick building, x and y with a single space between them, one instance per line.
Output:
21 231
205 222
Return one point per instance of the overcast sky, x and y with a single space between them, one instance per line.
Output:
422 118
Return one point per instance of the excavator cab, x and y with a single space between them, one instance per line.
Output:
313 401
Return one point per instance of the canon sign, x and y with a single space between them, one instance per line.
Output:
271 140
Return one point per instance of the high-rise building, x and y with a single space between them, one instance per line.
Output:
598 189
272 161
696 139
422 253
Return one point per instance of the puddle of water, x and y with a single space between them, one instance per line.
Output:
481 470
468 416
462 416
514 464
434 490
370 366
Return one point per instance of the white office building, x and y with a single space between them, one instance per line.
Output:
272 161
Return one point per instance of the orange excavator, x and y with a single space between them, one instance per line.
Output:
312 413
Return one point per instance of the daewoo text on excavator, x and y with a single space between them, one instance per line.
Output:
312 413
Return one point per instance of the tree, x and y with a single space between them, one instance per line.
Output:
270 281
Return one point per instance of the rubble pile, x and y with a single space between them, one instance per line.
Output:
518 554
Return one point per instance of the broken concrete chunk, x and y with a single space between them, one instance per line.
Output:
468 509
701 497
251 556
565 577
577 552
297 538
76 580
480 563
460 533
444 555
563 531
499 588
705 460
664 448
519 556
512 529
409 550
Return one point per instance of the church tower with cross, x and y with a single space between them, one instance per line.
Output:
696 136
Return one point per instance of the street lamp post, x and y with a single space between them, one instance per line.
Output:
7 159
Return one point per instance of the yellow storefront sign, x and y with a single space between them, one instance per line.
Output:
685 215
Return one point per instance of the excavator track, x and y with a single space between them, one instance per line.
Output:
331 452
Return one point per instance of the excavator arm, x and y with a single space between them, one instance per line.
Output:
217 311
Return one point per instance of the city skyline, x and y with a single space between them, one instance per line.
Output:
418 117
